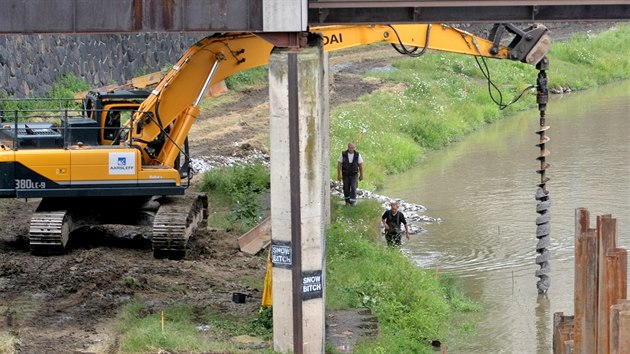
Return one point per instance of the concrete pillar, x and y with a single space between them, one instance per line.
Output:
311 145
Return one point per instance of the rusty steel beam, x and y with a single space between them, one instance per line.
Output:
122 16
323 12
455 3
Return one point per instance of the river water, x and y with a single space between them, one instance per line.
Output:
483 189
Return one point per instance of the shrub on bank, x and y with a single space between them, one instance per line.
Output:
241 188
440 97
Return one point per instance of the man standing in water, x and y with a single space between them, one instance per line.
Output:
392 219
350 169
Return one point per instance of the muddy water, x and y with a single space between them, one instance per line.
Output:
483 188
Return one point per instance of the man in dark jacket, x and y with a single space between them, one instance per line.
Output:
350 170
392 219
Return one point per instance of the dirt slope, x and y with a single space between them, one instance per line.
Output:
65 304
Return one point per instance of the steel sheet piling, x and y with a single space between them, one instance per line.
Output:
606 229
586 284
624 332
563 333
615 330
602 312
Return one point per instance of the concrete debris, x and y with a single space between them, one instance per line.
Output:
204 328
206 163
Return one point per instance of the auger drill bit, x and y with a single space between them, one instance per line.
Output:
543 228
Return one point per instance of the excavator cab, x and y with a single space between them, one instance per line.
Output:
113 120
112 109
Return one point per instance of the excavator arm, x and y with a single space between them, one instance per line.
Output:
165 118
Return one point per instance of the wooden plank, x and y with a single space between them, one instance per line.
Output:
606 230
257 238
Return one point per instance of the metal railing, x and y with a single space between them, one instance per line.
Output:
36 118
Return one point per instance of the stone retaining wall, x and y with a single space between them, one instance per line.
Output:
30 64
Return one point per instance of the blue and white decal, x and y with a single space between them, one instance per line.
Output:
122 163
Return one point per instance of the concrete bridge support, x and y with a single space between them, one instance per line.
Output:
300 195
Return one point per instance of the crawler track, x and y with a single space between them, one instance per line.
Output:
49 232
174 223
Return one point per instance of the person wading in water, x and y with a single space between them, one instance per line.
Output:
391 220
350 169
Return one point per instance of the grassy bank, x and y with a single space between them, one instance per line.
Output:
140 329
412 306
438 98
237 194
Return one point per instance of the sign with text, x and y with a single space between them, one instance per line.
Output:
281 254
122 163
312 284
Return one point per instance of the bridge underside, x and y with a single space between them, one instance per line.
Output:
120 16
362 11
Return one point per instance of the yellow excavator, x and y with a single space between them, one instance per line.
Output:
123 159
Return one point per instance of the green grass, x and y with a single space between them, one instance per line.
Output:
210 104
412 306
140 329
7 343
64 89
142 332
445 97
253 78
237 192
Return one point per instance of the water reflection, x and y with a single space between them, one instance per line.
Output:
483 188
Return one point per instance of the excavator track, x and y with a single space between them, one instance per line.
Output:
176 220
49 232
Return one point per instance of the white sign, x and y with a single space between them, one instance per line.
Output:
122 163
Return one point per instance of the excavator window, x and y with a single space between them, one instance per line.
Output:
114 121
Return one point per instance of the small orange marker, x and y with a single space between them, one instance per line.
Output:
162 322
